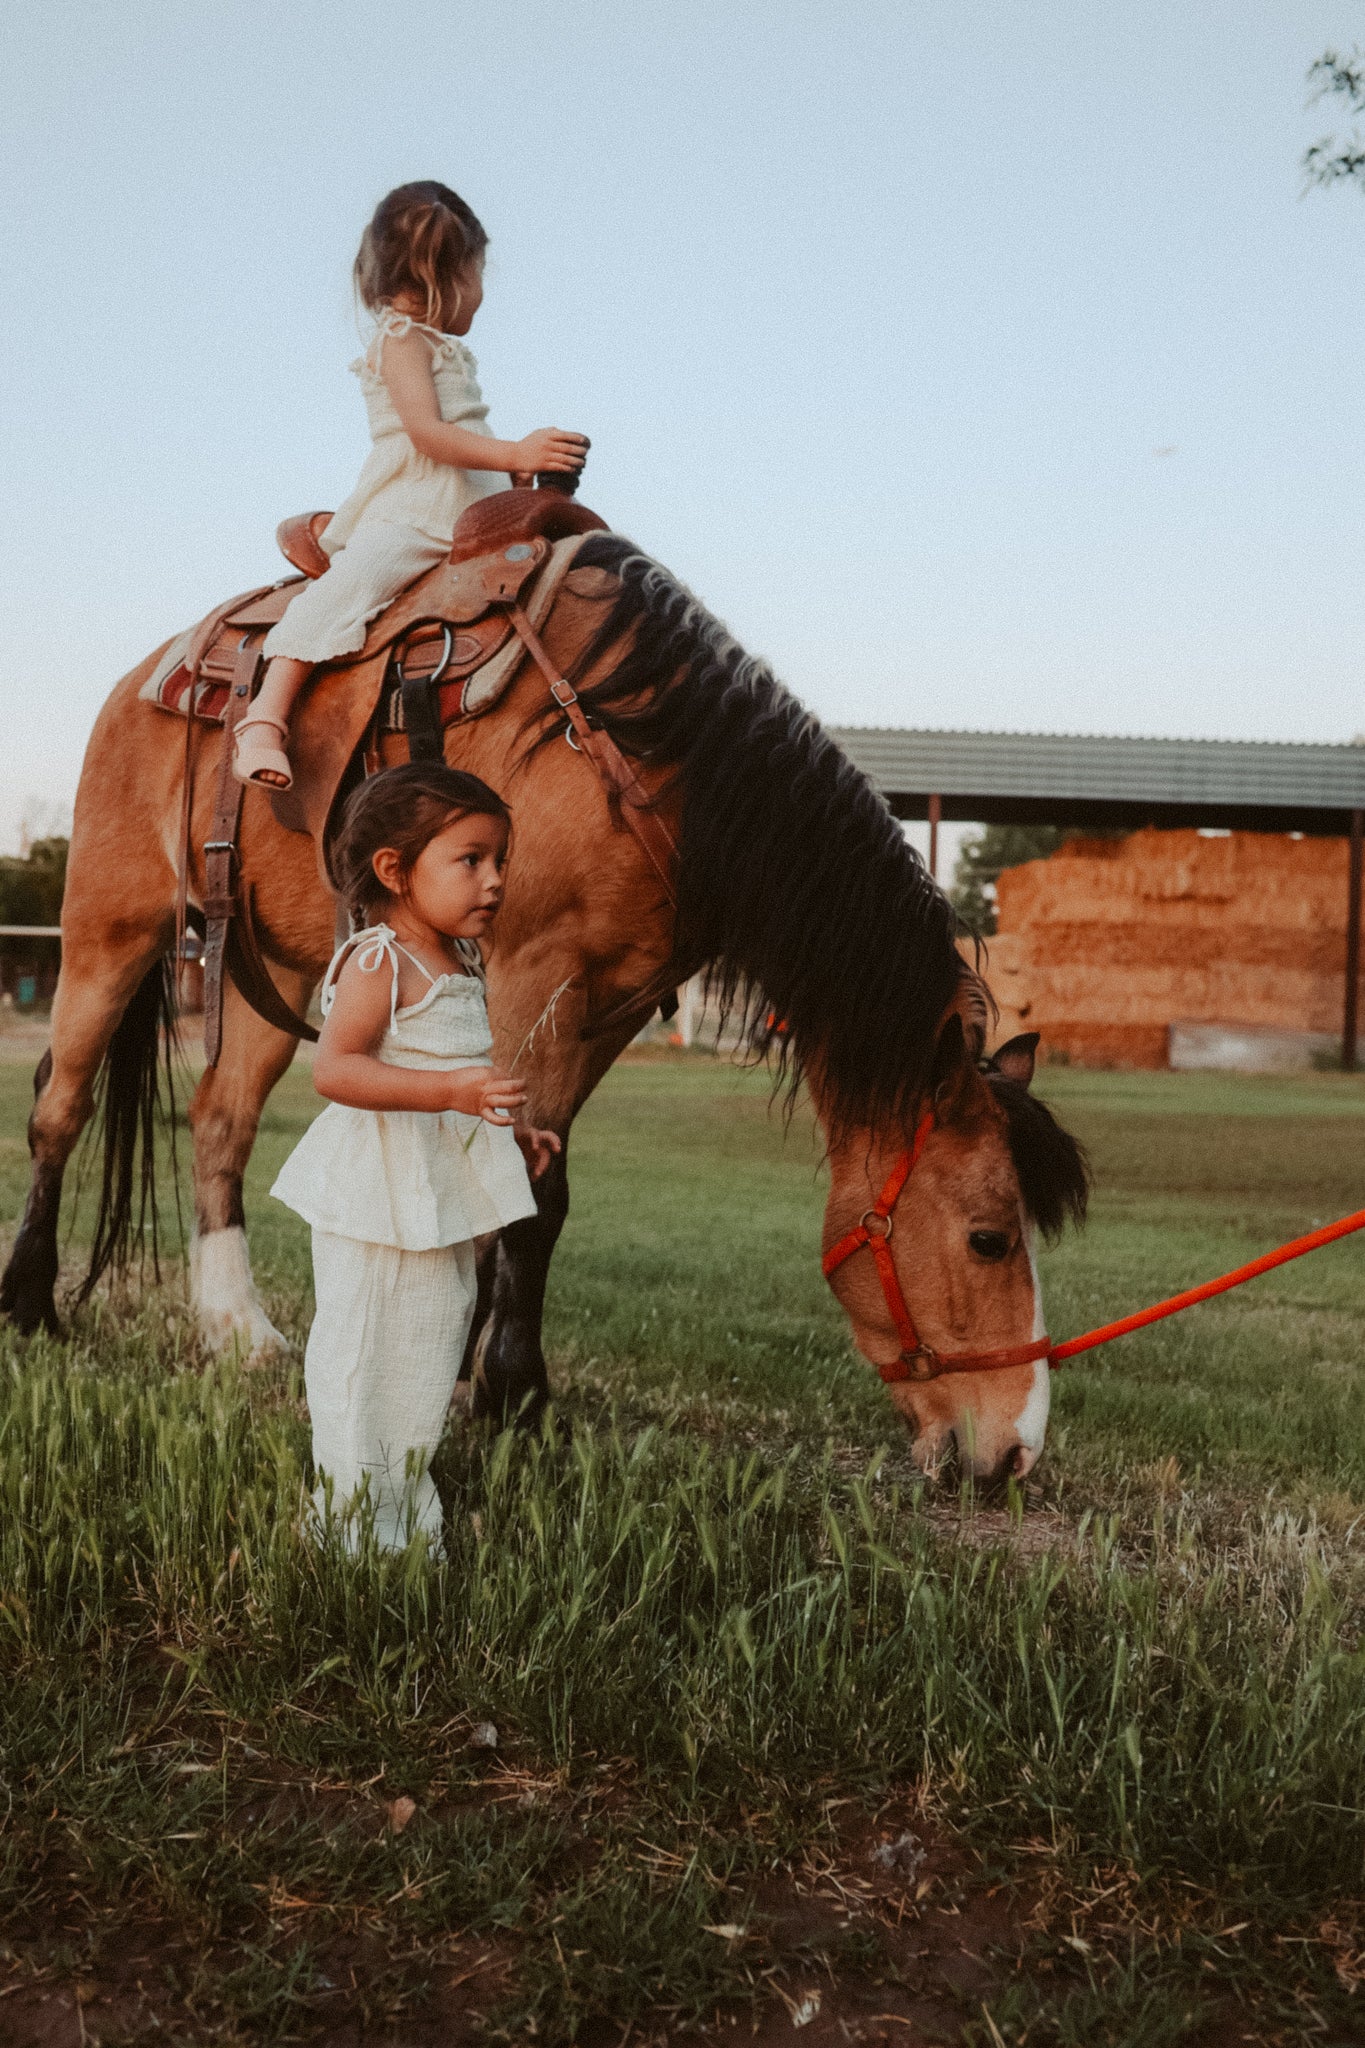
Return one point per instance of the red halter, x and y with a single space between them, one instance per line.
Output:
917 1361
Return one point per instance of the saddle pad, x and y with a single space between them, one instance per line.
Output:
168 684
475 660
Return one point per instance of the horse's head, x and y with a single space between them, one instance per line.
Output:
955 1276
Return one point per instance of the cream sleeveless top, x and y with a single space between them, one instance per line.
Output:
397 484
417 1179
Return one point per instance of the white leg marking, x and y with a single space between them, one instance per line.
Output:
229 1309
1031 1426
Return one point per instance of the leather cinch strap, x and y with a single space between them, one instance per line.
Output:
917 1361
230 934
220 848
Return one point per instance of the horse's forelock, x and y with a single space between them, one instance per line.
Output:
1051 1166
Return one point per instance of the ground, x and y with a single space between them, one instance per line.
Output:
713 1727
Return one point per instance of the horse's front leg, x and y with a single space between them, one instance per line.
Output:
510 1379
224 1113
506 1359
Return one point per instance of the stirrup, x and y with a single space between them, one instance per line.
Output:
275 761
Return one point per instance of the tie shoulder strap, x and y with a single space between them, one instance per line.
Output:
372 946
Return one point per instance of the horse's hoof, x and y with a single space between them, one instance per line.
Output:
29 1310
229 1311
28 1294
508 1376
253 1340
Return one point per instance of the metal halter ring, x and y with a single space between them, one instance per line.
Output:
572 737
447 649
871 1216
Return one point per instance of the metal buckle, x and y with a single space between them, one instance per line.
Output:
871 1216
921 1364
219 846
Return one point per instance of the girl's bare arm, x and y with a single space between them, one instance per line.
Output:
405 367
345 1068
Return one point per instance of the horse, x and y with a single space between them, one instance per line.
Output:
795 890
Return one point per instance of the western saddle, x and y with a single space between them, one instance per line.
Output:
444 651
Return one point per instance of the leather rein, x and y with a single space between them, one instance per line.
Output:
917 1360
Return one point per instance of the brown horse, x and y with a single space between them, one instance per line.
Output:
795 887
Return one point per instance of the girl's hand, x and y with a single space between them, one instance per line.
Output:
405 366
538 1148
483 1091
550 448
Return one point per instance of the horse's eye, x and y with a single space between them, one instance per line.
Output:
989 1244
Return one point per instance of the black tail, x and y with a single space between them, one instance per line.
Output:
128 1106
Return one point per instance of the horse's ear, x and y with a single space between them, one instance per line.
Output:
1016 1059
952 1070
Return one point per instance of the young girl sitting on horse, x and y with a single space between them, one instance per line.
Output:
420 1151
420 272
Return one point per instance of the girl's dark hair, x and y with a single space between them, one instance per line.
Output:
403 808
421 242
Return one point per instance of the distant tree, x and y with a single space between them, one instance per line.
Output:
982 860
31 893
1332 158
31 889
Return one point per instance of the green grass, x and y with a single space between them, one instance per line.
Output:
720 1633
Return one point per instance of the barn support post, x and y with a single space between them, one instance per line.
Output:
935 820
1350 1014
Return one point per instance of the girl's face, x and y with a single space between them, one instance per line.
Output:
455 884
470 288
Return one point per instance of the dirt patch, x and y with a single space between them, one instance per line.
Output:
122 1996
886 1931
891 1934
1036 1533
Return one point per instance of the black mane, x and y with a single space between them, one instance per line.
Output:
797 888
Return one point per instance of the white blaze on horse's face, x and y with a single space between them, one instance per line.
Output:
963 1249
1031 1423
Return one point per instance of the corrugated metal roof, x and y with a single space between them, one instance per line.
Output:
1033 770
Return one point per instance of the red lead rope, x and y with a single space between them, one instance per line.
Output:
1329 1234
918 1361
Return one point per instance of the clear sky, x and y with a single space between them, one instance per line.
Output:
978 360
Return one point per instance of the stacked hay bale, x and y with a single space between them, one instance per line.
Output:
1106 944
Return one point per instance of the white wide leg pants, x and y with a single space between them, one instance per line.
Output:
382 1360
328 617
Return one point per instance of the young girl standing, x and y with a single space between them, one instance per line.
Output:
420 1150
420 273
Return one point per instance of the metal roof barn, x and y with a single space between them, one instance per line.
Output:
1031 778
1082 779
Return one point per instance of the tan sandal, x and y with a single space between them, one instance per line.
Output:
262 760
